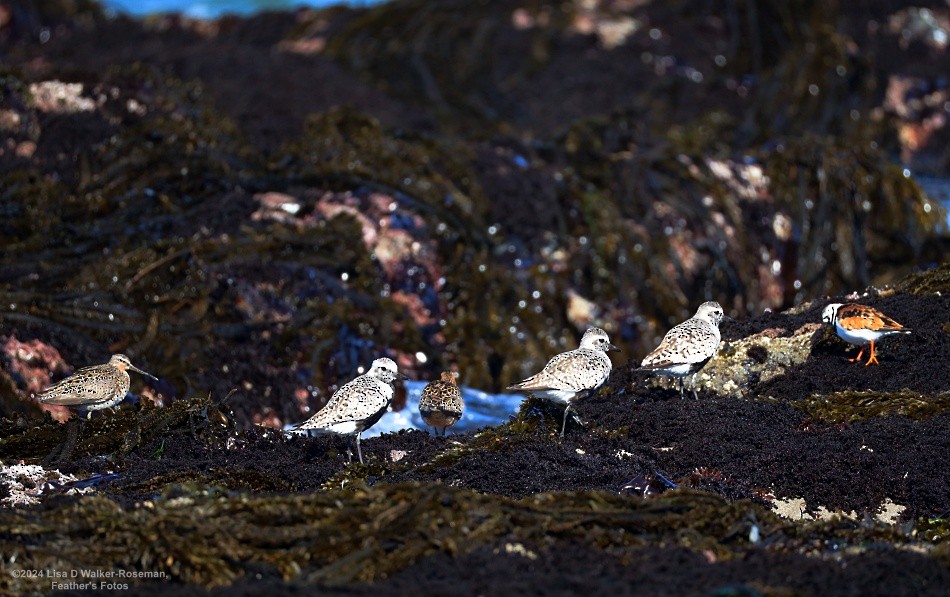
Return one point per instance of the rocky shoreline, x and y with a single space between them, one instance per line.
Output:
820 466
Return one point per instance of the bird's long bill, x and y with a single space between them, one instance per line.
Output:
401 376
613 348
145 373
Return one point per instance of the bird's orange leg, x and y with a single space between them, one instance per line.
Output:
873 358
857 358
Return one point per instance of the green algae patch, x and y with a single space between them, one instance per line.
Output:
934 530
366 534
855 405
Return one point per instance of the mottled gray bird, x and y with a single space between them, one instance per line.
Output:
94 388
572 373
441 403
687 347
358 404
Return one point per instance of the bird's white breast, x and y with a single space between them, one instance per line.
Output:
343 428
858 337
557 395
680 370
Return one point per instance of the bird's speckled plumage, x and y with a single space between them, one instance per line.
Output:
358 404
861 325
441 403
93 388
688 346
573 372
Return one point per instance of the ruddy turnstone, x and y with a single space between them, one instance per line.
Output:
358 404
861 325
688 346
572 373
93 388
441 403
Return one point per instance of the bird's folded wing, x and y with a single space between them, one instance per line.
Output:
682 344
67 399
859 317
352 402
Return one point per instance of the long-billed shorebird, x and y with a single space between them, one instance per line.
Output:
572 373
94 388
441 403
688 346
861 325
358 404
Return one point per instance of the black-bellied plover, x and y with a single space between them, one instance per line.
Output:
861 325
572 373
358 404
93 388
688 346
441 403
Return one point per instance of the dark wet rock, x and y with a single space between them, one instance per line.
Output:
312 539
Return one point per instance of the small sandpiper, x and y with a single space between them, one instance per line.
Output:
358 404
441 403
94 388
688 346
572 373
861 325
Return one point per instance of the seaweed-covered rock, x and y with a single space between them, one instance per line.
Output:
311 539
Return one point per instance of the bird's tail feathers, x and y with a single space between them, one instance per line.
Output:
530 383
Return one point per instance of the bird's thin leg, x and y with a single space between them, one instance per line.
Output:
682 395
53 456
73 430
564 421
359 452
873 358
857 358
692 385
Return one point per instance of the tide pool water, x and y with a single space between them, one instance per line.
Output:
938 189
210 9
481 410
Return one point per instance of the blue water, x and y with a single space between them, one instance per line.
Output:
210 9
937 189
481 410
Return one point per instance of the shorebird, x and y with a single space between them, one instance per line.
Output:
861 325
688 346
441 403
358 404
94 388
572 373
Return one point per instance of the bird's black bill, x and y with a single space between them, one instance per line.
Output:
145 373
613 348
